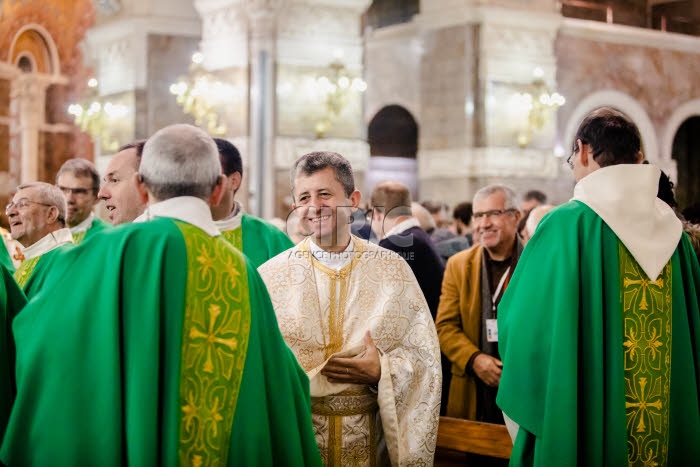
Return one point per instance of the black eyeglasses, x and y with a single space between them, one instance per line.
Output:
22 203
493 213
76 191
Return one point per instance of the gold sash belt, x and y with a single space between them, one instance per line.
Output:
344 404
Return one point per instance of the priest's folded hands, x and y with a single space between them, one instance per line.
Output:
363 368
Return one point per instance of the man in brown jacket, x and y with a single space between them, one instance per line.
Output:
474 282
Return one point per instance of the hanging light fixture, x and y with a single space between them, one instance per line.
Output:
337 86
200 94
537 104
98 119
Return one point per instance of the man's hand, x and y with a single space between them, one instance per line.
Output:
488 369
361 369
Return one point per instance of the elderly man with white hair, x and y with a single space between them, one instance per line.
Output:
167 353
37 215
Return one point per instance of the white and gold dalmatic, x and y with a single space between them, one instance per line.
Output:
324 312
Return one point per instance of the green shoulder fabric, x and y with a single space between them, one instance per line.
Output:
12 300
98 225
33 280
561 340
262 240
5 259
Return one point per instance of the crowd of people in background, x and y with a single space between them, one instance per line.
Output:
192 332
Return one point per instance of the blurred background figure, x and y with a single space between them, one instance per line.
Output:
532 199
462 215
534 217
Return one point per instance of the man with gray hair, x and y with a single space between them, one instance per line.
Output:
79 181
37 215
170 354
355 317
474 283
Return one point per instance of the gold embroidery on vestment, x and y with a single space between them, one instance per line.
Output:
647 360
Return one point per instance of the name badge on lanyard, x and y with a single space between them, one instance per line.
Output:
492 324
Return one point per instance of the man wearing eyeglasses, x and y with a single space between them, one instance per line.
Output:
79 181
37 215
600 327
474 283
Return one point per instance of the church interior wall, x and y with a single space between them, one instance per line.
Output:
659 80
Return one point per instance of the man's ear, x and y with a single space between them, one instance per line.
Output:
52 215
355 198
235 178
141 188
218 191
583 153
640 157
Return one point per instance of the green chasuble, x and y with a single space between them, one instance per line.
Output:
5 259
155 344
31 273
257 239
601 366
12 300
98 225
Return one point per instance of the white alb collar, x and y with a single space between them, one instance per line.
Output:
83 226
48 242
624 196
184 208
402 227
233 221
331 260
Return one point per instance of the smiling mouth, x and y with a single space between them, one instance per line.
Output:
319 219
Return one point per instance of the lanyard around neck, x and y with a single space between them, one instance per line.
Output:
499 290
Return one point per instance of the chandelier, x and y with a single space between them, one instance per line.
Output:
200 94
336 87
99 119
537 106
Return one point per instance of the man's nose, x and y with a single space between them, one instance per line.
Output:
102 194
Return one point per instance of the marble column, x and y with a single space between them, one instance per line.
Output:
262 29
28 103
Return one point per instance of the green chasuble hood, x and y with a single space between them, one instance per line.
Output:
580 369
165 355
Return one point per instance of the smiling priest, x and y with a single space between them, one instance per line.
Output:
168 353
356 319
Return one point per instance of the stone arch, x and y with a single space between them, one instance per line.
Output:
393 132
626 104
677 118
685 151
35 42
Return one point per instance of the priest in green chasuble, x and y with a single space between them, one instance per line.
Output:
357 321
257 239
168 352
599 329
37 216
12 300
79 181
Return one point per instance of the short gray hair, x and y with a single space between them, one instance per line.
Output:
180 160
508 193
81 168
51 195
313 162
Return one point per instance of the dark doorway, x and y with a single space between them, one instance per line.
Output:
393 132
686 152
